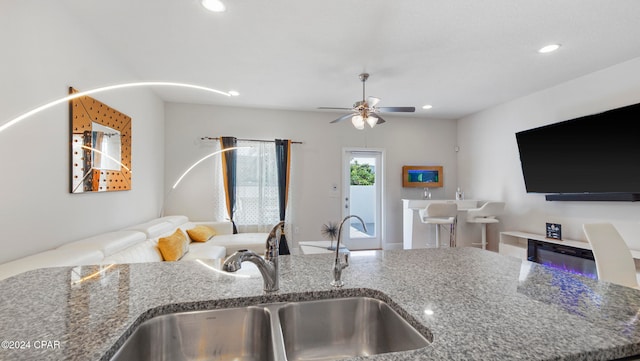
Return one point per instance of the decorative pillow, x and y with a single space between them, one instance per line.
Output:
201 233
174 246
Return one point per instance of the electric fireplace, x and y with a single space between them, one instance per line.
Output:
570 259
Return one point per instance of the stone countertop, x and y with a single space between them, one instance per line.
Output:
482 305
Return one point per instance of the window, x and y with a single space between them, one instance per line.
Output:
257 187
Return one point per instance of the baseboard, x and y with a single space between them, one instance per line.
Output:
392 246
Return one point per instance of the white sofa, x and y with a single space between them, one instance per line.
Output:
138 243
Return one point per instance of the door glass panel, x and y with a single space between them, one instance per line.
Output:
362 196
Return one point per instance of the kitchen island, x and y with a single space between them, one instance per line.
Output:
472 304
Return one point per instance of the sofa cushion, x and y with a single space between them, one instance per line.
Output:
175 220
201 233
224 227
51 258
204 251
234 242
186 226
109 243
146 251
173 247
153 228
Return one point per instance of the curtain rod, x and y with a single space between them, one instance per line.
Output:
249 140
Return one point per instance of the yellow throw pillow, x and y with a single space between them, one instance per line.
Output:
174 246
201 233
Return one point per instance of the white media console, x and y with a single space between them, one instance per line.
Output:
514 243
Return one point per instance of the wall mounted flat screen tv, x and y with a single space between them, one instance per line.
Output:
594 157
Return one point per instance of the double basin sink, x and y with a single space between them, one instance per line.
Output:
329 329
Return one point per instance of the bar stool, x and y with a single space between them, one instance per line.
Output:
484 215
441 213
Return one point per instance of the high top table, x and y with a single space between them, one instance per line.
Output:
416 234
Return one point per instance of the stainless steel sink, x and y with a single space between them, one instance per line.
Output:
239 334
347 327
330 329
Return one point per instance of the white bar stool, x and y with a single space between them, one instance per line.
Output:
440 213
485 214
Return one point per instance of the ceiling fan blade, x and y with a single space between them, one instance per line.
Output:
335 108
397 109
380 120
372 101
346 116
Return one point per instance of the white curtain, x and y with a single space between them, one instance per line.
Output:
257 187
289 218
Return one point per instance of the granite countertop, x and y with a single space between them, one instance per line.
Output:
485 306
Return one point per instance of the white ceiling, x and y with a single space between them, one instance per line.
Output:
461 56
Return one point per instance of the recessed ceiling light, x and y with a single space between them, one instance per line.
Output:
233 93
427 106
214 5
549 48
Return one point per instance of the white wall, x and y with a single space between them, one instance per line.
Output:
489 164
44 51
407 141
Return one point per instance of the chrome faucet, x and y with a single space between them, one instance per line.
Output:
268 266
338 264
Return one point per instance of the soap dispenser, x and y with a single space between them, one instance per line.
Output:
459 194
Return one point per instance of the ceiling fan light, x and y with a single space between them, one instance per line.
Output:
372 101
358 122
372 121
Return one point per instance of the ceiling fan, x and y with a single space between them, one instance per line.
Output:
366 110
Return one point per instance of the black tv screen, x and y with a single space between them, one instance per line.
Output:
598 153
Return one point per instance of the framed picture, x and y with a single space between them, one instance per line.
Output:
422 176
554 231
100 146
